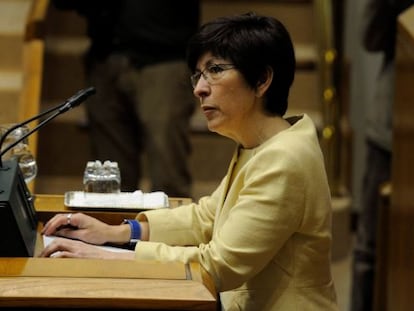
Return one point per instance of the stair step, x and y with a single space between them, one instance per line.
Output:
12 42
11 55
73 45
13 18
10 80
10 88
298 16
306 56
8 107
12 29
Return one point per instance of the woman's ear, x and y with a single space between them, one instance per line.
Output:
264 82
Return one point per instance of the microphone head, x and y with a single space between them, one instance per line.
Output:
77 99
81 96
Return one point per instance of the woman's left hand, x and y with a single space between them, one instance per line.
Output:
80 227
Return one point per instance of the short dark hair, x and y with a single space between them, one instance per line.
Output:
253 43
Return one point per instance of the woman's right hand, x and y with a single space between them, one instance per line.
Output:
66 248
86 228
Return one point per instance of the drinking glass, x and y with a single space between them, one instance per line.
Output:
20 152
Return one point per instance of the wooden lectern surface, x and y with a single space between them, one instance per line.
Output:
49 205
110 284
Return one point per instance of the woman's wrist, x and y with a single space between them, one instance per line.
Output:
119 234
135 230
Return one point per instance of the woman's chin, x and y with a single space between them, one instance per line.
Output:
212 126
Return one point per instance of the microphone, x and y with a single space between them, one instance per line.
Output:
68 104
18 228
77 99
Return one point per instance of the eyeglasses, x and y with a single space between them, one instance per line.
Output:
211 73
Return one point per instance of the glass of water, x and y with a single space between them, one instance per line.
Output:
20 152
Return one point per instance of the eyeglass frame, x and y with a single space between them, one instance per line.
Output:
194 78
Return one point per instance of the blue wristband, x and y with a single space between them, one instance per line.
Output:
135 230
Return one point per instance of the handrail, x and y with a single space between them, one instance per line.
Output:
32 70
35 20
329 63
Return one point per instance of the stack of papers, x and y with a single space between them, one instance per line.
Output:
122 200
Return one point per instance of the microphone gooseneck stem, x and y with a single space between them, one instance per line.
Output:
74 101
11 129
27 134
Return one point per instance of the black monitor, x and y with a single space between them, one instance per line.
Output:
18 222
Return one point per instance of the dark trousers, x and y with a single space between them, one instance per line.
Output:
377 171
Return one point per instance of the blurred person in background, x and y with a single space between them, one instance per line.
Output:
379 34
144 102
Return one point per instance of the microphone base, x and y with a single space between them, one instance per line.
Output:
18 227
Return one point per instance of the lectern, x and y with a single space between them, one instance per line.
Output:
98 284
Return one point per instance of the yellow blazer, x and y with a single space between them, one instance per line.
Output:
264 234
